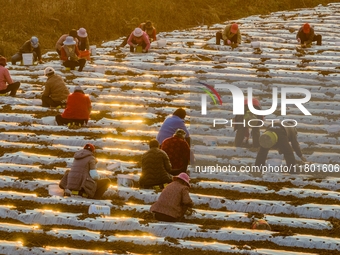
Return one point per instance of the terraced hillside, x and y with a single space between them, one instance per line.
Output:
131 100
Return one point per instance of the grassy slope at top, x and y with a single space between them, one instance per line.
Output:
109 19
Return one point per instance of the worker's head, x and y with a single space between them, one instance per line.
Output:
153 143
180 113
234 28
49 71
89 147
34 42
306 28
180 133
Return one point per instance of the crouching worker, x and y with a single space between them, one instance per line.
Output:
55 92
178 151
70 54
231 35
155 167
306 36
278 137
83 178
139 41
6 83
174 201
78 109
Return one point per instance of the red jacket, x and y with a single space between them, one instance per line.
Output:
78 106
178 151
63 55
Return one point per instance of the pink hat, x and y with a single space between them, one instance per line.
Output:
234 28
82 32
306 28
138 32
182 176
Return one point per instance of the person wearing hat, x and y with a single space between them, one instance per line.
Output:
279 137
70 54
83 178
306 36
30 46
149 29
139 39
55 92
78 109
62 38
155 167
174 201
178 152
242 130
83 44
6 82
171 124
231 35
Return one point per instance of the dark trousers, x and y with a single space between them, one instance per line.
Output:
219 38
161 186
11 88
48 102
102 186
125 41
72 64
18 57
316 38
164 217
242 132
62 121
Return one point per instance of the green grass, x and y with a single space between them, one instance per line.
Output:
109 19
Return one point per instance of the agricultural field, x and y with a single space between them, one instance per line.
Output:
131 98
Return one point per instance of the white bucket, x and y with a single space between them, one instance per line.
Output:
256 45
161 43
99 69
93 50
54 190
27 59
125 180
114 166
212 141
99 209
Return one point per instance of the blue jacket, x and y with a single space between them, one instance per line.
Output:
169 127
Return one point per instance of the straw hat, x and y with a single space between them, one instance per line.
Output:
268 139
